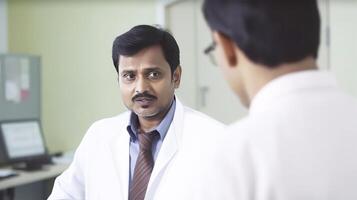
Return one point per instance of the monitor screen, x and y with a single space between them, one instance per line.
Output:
22 139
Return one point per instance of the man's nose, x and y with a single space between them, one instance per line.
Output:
141 85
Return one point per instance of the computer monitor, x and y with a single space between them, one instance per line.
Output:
23 142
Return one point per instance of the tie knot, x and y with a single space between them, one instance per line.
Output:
146 140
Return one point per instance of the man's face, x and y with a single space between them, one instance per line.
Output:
146 84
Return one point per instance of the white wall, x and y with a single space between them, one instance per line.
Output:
3 26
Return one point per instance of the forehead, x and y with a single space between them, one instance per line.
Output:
147 57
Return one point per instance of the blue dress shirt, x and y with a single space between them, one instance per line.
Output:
162 128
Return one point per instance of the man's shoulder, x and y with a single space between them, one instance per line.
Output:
122 118
241 128
248 131
110 125
103 131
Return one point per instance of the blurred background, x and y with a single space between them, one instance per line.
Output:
70 41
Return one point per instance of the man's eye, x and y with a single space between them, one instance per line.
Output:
129 77
154 75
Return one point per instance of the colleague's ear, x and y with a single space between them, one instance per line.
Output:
228 48
176 77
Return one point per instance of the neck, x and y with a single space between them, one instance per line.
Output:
261 75
147 124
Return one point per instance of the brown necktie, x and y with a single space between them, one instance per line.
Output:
143 167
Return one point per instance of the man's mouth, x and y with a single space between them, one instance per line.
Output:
144 101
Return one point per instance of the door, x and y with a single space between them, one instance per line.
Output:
343 20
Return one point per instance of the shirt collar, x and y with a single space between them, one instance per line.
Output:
290 83
162 128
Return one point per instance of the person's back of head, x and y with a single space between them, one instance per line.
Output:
269 32
260 40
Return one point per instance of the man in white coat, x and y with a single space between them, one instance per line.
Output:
299 140
131 155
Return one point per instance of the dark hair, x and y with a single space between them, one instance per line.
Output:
269 32
142 36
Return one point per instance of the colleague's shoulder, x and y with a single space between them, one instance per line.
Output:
250 132
243 128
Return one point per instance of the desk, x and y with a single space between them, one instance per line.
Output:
24 177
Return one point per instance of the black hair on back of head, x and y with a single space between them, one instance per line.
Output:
269 32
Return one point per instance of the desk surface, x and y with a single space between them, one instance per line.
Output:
24 177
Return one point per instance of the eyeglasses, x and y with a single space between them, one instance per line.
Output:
209 52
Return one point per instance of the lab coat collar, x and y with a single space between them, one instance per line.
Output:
169 148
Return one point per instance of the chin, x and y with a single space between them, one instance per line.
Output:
147 114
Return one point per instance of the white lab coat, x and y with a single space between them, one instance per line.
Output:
299 142
100 170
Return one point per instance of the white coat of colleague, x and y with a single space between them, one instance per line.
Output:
299 140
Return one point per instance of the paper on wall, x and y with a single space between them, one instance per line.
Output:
17 79
12 91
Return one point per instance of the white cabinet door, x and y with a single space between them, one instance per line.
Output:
203 86
343 23
215 96
180 20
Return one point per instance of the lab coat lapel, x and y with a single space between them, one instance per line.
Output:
120 152
169 147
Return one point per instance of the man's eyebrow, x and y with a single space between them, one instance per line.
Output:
152 69
127 71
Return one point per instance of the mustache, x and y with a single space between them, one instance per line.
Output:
143 95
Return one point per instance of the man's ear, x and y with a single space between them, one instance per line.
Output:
228 48
176 76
